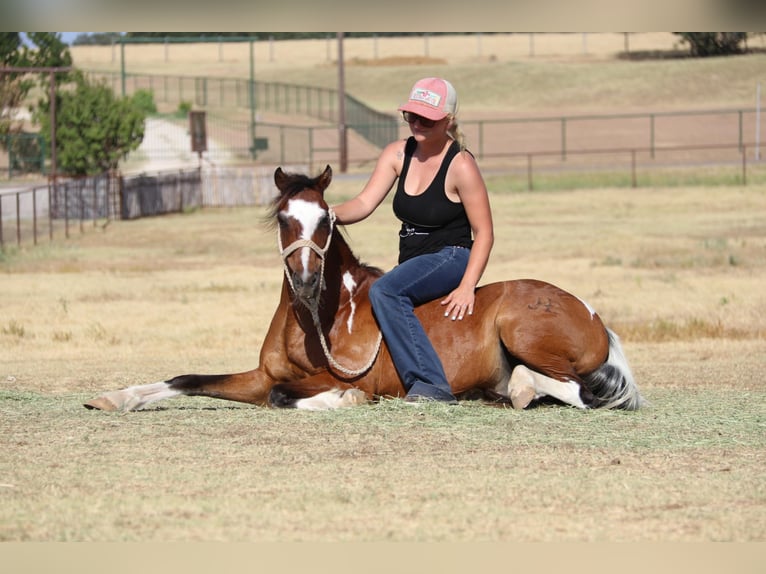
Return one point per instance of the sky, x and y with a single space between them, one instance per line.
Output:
69 37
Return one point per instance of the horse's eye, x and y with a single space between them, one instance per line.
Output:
281 221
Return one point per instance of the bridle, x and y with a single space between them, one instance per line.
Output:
313 304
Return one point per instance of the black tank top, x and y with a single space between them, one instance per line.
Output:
430 220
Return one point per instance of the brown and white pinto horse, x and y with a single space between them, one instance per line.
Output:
526 340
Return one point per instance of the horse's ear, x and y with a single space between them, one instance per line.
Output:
324 180
280 177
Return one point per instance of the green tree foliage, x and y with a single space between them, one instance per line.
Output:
703 44
96 39
13 87
45 49
94 128
10 49
50 50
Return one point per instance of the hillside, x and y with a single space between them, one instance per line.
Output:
495 75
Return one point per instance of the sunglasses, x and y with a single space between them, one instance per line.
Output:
411 118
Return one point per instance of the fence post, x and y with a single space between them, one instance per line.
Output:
95 201
34 215
18 218
180 191
66 211
311 149
282 145
633 167
481 139
563 139
741 141
530 185
744 165
50 211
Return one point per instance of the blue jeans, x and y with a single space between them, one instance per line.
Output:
394 297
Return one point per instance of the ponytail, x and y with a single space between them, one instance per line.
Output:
455 132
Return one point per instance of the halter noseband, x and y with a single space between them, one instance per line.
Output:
297 244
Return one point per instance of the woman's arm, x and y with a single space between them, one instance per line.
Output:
377 187
465 179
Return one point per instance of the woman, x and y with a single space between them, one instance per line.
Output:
445 238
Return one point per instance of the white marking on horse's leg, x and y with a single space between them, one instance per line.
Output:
566 391
350 285
521 387
334 399
138 396
353 397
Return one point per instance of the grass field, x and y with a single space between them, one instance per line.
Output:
678 273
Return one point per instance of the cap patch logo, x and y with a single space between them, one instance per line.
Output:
426 96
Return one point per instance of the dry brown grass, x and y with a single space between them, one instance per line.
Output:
496 76
678 272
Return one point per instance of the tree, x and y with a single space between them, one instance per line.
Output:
46 49
13 88
50 50
96 39
94 128
703 44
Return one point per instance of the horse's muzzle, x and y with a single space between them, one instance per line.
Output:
307 289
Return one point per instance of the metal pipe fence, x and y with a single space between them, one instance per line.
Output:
31 214
276 97
50 211
567 136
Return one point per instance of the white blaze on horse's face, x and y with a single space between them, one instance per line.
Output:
308 214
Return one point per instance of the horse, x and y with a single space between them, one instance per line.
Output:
527 341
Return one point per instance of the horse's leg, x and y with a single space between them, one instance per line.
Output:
248 387
526 385
317 393
334 399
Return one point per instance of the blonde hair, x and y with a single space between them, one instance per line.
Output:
455 132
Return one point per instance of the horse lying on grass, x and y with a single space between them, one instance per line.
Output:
526 340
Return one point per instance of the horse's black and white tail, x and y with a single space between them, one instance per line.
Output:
612 383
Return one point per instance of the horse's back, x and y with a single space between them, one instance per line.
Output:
535 322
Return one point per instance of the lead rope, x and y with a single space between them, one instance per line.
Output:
314 307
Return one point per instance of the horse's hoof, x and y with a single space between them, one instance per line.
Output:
101 403
353 397
521 396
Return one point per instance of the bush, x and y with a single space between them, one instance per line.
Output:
703 44
184 108
144 101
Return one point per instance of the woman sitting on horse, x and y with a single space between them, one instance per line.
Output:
445 238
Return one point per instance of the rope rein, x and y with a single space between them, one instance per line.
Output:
313 306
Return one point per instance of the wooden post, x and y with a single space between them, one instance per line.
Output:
342 135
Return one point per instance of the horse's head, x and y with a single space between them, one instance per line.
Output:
305 226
